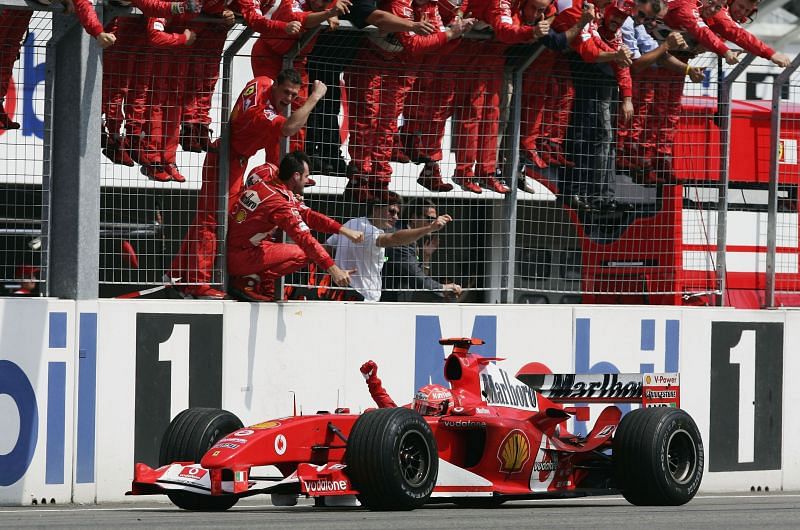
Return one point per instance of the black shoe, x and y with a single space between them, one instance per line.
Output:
576 202
334 167
610 204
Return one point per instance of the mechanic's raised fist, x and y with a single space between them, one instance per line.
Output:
319 89
369 369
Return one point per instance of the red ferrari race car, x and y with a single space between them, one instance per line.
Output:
495 437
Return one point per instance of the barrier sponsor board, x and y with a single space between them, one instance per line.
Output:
97 382
38 368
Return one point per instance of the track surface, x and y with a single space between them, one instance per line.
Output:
776 510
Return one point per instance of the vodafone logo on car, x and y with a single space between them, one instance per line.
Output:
280 444
192 473
326 486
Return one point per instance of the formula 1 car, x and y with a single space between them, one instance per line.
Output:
504 439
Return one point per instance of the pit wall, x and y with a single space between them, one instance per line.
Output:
87 388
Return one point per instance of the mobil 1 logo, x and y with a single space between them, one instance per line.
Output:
178 365
746 396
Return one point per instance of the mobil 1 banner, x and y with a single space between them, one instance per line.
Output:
746 396
178 365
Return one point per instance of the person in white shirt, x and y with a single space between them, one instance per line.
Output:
368 256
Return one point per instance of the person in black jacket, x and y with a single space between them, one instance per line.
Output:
406 272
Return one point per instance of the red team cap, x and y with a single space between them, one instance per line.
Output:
27 272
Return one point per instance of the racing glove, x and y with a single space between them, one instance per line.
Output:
370 371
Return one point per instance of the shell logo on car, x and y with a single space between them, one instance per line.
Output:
266 425
514 452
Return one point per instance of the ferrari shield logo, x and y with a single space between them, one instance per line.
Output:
240 215
514 452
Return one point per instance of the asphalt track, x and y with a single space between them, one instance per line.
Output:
758 510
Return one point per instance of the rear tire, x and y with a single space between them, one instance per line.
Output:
392 459
658 457
189 436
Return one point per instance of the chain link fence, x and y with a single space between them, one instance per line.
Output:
556 194
24 179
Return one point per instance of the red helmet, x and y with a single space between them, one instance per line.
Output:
433 400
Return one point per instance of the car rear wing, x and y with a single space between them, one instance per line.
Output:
650 390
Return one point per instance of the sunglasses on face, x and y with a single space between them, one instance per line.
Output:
394 212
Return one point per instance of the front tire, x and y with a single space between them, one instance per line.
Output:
392 459
189 436
658 457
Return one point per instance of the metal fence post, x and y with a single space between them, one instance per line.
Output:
505 267
288 62
772 201
225 146
74 76
724 115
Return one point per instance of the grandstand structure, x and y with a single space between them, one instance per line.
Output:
720 228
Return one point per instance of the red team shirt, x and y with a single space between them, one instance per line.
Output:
589 44
267 204
723 25
256 122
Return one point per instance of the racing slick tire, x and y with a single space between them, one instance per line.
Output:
658 457
392 459
189 436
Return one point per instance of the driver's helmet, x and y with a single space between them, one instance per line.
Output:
433 400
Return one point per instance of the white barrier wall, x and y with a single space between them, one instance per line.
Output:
38 370
107 376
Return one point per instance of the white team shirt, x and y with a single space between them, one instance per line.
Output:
366 258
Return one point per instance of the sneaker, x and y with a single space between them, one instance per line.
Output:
492 183
202 292
204 134
6 123
552 155
334 167
360 190
117 152
132 148
524 183
467 183
174 174
155 172
246 289
536 159
431 178
398 155
267 289
556 158
576 202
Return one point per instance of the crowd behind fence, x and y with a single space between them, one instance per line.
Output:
549 179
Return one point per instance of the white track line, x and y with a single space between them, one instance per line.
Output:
134 508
